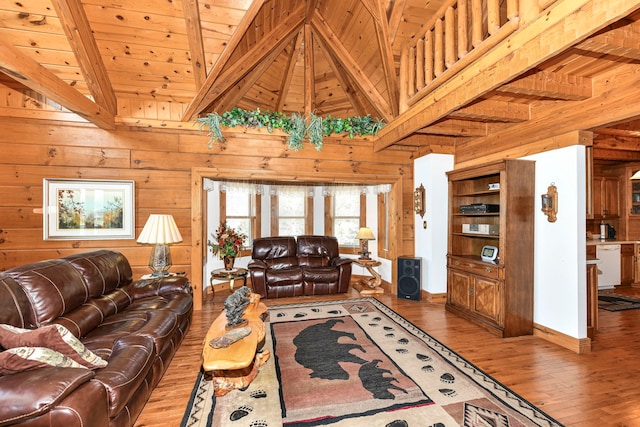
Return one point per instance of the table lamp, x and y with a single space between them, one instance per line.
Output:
365 234
160 231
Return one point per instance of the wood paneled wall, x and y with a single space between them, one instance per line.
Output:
162 162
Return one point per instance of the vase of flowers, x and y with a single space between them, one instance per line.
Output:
227 243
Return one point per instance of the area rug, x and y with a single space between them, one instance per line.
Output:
358 363
611 301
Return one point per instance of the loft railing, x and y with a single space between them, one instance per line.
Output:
458 34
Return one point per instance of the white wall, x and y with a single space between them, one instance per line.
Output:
560 291
431 242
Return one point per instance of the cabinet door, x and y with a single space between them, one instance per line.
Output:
458 286
627 264
611 197
598 193
487 298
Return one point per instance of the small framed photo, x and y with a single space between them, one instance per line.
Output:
88 209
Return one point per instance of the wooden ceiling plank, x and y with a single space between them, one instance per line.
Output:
196 44
494 111
288 75
564 24
224 57
343 79
550 85
30 73
233 96
78 30
332 42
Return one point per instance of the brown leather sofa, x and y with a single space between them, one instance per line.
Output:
136 327
309 265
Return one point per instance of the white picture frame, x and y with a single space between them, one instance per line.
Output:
88 209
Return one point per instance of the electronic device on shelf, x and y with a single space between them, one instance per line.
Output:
479 208
490 229
489 253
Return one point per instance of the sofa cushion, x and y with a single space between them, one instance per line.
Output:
15 308
284 276
321 274
130 361
313 261
54 337
36 392
20 359
54 288
103 270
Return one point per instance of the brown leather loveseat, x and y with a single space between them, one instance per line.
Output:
309 265
134 328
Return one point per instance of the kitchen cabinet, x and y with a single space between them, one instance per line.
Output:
606 197
496 295
627 263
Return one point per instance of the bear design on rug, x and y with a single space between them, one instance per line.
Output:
318 349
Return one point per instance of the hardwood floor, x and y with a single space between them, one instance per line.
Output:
594 389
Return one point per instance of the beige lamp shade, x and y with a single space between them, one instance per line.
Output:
636 175
160 229
365 233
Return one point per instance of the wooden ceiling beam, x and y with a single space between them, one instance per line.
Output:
196 45
623 41
627 129
616 155
494 111
395 18
78 31
550 85
567 23
332 42
190 112
273 41
453 127
618 102
30 73
616 142
309 72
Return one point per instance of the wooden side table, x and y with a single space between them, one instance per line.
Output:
230 275
369 285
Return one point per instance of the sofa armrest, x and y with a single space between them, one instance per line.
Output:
257 264
337 262
159 286
29 394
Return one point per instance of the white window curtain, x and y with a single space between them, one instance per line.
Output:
276 189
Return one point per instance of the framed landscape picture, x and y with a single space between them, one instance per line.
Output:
88 209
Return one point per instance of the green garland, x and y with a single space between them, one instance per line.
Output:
297 126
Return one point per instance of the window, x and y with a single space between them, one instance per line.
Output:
237 208
291 212
347 216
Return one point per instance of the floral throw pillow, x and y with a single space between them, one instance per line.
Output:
54 337
20 359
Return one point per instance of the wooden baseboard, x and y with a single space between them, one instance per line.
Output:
578 345
434 298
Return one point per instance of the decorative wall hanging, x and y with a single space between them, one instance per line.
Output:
418 201
88 209
550 203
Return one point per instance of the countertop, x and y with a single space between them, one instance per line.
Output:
611 242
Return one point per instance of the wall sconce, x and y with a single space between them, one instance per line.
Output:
550 203
418 201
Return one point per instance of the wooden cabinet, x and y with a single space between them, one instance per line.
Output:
606 197
495 295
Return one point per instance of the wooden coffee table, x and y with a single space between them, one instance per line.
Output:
234 367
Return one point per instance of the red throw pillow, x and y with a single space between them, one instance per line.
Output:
54 337
20 359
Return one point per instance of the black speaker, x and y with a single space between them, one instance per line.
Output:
409 278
